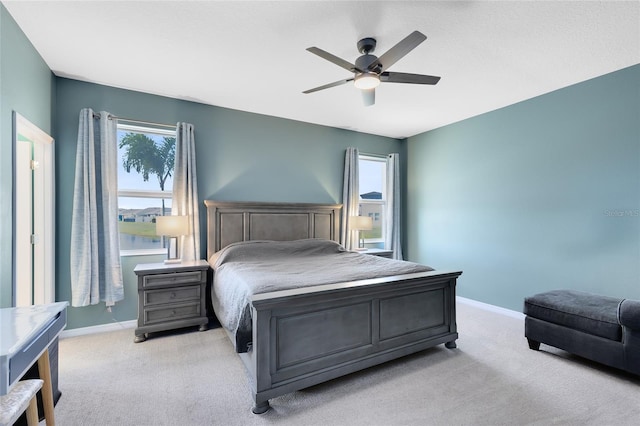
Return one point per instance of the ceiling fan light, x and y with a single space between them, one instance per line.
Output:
367 80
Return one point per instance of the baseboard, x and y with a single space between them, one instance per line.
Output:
491 308
95 329
103 328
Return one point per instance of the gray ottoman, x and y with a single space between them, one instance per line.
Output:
600 328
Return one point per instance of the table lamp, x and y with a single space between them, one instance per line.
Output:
172 227
361 223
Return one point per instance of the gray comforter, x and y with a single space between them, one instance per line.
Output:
253 267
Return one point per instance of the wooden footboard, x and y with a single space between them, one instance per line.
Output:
307 336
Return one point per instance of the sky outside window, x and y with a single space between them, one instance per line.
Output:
371 176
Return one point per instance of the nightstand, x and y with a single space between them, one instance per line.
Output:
378 252
170 296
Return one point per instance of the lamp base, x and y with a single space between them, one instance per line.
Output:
172 251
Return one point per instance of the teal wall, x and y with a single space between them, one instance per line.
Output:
540 195
240 157
27 87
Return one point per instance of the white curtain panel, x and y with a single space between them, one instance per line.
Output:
185 190
96 273
350 198
392 227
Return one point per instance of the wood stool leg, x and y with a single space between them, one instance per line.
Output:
32 412
47 391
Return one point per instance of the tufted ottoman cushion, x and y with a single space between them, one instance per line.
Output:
589 313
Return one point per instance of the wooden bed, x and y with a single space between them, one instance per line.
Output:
302 337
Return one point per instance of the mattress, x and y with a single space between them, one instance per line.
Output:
247 268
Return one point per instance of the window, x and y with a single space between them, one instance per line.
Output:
145 183
372 182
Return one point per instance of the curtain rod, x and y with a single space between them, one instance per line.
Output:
366 154
131 120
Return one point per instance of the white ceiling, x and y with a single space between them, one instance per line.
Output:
250 55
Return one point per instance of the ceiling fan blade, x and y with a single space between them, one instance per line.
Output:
398 51
334 59
326 86
403 77
368 96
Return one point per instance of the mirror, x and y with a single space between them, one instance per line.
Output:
33 214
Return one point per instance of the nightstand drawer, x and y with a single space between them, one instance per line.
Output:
173 279
173 313
178 294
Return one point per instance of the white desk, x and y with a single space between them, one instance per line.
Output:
25 336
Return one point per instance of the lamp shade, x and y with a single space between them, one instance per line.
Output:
172 225
361 223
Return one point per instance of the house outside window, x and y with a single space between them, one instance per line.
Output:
146 159
372 181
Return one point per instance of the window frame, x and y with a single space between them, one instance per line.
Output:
141 193
383 201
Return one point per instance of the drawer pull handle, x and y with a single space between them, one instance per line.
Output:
173 296
173 312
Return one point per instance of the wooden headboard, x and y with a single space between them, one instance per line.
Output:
229 222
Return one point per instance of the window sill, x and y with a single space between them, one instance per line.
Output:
146 252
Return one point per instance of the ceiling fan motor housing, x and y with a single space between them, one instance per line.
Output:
364 61
366 46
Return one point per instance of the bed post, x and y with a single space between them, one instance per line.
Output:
261 354
260 407
451 304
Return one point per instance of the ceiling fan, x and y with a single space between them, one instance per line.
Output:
369 70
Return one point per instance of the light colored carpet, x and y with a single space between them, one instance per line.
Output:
195 378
